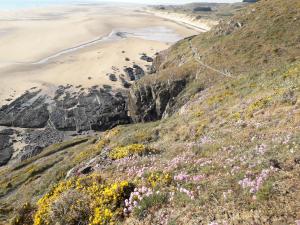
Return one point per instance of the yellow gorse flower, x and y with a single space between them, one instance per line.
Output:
122 152
105 203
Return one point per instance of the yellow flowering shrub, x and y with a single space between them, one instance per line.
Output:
257 105
159 178
219 98
236 116
44 204
111 133
105 201
200 113
129 150
293 71
201 126
97 147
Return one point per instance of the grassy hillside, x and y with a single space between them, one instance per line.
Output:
229 155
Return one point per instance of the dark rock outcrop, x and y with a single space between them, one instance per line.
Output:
7 132
138 72
27 111
97 110
6 149
97 163
129 72
125 83
227 27
134 73
38 139
151 102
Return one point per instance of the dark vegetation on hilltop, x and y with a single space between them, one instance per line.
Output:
221 144
204 10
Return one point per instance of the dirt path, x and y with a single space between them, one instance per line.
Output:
198 59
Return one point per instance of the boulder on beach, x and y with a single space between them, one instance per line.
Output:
113 77
129 73
124 82
146 58
138 72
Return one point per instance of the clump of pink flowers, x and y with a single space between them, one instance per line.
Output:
203 162
179 160
135 197
255 183
216 223
187 192
205 140
261 149
285 141
235 170
227 193
213 223
183 176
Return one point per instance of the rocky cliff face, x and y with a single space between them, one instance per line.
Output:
98 109
39 120
29 110
154 96
149 102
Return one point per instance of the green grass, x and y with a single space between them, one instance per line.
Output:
152 202
217 134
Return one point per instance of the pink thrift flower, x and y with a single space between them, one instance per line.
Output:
198 177
213 223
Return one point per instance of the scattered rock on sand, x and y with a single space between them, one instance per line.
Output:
134 73
151 69
113 77
114 68
138 72
146 58
129 73
124 82
107 87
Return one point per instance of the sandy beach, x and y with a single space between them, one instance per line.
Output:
200 25
77 45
